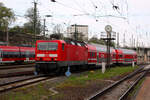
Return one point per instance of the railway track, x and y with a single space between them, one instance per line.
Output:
112 87
16 66
21 73
23 82
126 93
18 70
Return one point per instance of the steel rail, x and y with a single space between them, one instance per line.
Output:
125 95
16 81
100 93
16 66
17 74
23 84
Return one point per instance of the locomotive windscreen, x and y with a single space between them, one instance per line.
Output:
47 46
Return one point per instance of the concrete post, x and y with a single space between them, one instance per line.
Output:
103 67
133 64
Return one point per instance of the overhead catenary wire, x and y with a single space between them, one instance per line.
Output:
69 7
81 7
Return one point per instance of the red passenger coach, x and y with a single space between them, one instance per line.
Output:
57 54
126 56
92 58
27 54
119 56
9 54
14 54
100 54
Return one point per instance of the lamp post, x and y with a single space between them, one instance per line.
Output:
44 24
7 37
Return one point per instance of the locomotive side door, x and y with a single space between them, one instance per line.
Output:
63 51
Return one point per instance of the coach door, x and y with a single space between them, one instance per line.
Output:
98 60
27 55
0 55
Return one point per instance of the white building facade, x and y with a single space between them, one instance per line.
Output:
81 32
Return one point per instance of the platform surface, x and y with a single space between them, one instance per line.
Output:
144 92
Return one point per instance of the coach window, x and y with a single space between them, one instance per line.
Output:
90 54
63 46
5 54
10 54
23 55
16 55
32 54
28 54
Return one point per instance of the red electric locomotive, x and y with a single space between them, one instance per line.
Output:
52 55
14 54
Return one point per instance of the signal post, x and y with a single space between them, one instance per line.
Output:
108 39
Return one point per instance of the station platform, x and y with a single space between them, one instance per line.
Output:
144 92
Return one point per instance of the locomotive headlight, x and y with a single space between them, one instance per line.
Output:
40 55
55 58
53 55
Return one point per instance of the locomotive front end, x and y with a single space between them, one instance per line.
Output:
47 55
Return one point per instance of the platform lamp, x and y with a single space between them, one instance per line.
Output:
45 22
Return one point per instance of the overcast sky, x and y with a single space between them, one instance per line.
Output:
131 18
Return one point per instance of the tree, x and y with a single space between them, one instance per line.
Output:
57 32
7 16
56 36
58 29
100 41
97 41
16 29
29 26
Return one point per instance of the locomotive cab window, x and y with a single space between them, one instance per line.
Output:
47 46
